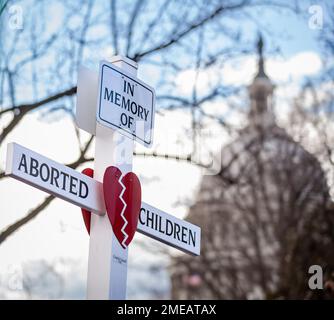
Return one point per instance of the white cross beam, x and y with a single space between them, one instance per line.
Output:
68 184
116 123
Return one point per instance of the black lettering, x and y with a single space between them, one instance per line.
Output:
23 162
177 231
54 176
108 95
155 223
33 167
65 175
140 112
133 107
124 119
47 169
128 88
146 112
117 99
131 88
130 122
169 224
125 103
73 185
148 219
140 216
192 237
184 234
162 231
83 189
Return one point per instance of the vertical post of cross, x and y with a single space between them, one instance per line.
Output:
107 265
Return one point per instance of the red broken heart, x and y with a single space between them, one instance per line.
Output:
124 224
122 197
85 213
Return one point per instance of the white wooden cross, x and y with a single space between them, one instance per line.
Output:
116 123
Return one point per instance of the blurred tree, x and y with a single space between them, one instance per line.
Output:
39 61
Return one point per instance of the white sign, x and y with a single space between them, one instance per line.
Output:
45 174
166 228
125 103
55 178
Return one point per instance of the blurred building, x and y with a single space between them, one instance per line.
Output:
264 217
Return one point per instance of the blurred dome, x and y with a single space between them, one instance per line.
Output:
263 217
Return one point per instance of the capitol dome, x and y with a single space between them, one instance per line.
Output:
264 217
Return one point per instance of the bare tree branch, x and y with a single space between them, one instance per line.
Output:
21 110
187 158
196 24
114 28
31 215
132 22
34 212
